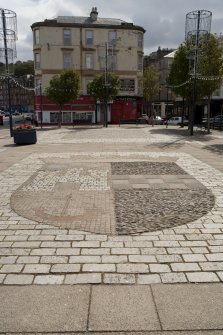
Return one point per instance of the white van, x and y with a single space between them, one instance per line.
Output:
177 120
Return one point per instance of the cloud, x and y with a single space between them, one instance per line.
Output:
164 21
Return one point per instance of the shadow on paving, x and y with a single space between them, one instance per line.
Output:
215 148
183 132
178 144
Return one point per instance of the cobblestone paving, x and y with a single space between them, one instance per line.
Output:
141 168
144 210
39 253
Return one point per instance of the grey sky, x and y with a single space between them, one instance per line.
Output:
163 20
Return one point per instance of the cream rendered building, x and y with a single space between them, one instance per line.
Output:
91 45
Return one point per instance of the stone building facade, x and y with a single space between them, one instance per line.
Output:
91 45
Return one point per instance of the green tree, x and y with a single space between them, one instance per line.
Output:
19 69
99 91
179 73
23 68
63 88
209 64
150 81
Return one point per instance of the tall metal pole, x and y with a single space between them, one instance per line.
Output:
7 71
106 84
41 106
195 77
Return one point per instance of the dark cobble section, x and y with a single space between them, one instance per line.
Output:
142 168
145 210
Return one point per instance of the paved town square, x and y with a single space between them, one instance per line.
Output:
108 215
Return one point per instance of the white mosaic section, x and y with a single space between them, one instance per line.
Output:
91 179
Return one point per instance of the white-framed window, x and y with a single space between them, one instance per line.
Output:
127 85
37 60
140 60
89 37
87 82
89 61
112 62
36 36
140 40
67 60
112 38
67 37
38 87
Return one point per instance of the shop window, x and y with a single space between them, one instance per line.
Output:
66 117
54 117
82 116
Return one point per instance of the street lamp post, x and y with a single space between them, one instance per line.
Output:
106 85
7 72
41 106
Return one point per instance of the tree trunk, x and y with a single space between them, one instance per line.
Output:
60 117
208 119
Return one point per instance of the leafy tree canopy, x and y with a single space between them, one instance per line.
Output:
209 64
97 90
212 65
150 82
18 69
23 68
179 72
64 87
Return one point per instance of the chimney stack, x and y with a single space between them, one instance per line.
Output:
94 14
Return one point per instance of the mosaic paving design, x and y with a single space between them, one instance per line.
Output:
78 197
106 198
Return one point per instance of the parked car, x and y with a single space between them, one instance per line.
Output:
156 120
177 120
145 116
28 118
215 122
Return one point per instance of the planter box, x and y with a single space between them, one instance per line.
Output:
25 136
